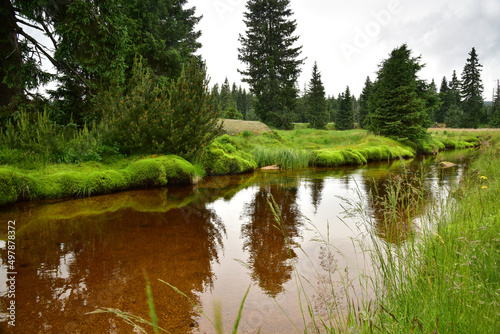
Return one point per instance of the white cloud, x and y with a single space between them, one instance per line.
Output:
442 31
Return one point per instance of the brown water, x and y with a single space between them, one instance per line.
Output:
211 241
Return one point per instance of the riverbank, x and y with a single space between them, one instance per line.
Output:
237 154
446 280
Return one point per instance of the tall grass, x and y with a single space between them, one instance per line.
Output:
285 157
446 279
440 274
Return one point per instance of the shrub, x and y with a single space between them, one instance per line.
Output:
178 117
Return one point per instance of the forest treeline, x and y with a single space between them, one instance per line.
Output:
129 80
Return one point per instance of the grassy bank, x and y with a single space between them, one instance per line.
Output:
45 168
446 280
92 178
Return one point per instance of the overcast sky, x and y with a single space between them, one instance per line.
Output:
348 39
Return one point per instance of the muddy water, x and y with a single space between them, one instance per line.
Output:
211 241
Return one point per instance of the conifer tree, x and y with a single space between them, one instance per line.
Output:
495 112
316 100
455 89
345 116
364 107
471 91
444 97
272 60
398 110
428 92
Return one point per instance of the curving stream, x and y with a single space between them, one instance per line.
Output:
211 241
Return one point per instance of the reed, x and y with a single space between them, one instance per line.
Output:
285 157
446 278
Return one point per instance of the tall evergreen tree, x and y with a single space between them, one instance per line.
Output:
272 60
93 45
444 97
495 109
398 110
225 97
428 92
345 116
316 100
455 89
302 107
471 91
364 107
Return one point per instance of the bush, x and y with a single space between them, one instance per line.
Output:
179 117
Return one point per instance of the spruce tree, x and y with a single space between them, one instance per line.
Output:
272 60
364 107
471 91
225 96
345 116
455 89
397 109
428 92
444 97
316 100
495 112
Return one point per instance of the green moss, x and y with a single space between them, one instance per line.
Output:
101 182
328 158
178 170
147 173
219 162
92 179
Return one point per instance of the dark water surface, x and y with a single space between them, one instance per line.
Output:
211 241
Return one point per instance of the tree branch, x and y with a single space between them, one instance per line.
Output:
52 60
29 24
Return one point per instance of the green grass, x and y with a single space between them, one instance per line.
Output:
446 279
285 157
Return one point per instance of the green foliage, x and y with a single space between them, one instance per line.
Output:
178 118
316 100
8 186
364 107
273 80
94 45
344 119
428 92
222 157
398 110
471 91
495 112
454 117
32 139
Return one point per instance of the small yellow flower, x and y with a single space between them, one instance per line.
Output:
485 187
483 177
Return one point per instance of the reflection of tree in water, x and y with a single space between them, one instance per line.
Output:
316 186
396 199
269 254
68 268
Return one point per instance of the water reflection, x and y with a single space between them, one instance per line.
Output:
396 199
74 256
68 267
265 240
